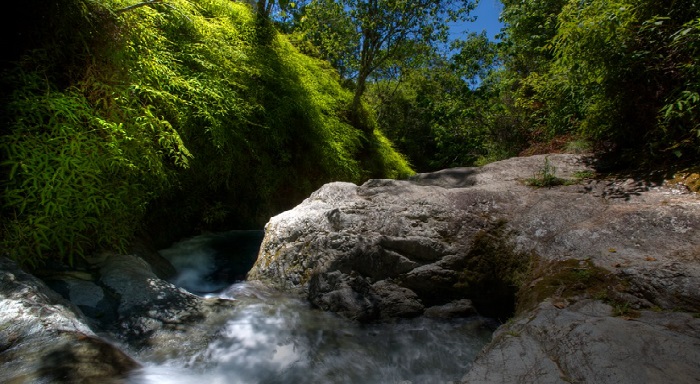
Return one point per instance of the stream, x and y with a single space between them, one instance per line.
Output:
271 337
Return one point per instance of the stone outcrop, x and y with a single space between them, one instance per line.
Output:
402 248
583 343
434 238
45 338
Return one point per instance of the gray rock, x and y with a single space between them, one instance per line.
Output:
158 321
428 234
157 318
392 248
132 279
83 291
394 301
457 308
44 338
350 296
584 343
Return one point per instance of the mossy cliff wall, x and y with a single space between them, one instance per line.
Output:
164 118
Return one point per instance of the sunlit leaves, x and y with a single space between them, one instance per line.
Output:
175 108
362 38
67 184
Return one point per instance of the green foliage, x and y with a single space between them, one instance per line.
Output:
546 176
386 160
581 175
682 104
366 39
592 56
526 91
622 73
70 187
175 116
433 114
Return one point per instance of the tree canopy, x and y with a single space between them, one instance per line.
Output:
620 73
362 38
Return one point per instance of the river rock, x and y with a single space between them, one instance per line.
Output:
583 343
45 338
155 318
474 233
457 308
84 291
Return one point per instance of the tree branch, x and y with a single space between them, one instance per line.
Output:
138 5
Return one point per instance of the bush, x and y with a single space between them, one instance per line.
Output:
178 116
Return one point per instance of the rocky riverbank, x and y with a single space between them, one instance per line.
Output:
590 268
596 280
104 315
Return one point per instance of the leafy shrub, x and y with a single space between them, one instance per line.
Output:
75 182
174 116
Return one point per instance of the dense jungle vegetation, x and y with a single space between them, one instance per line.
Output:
167 117
619 77
123 118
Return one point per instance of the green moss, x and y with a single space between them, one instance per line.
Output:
566 279
688 178
581 175
169 117
623 309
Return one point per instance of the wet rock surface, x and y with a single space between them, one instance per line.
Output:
155 317
46 339
82 326
402 248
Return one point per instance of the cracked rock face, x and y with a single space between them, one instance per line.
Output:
584 344
422 236
440 242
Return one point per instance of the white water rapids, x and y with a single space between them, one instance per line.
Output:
271 338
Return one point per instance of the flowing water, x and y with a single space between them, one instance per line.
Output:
270 337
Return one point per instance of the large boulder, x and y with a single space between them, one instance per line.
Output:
467 233
478 236
45 338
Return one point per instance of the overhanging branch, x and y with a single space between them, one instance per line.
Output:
138 5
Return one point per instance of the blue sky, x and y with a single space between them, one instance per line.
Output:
487 14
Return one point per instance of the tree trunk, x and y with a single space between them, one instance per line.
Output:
262 7
359 117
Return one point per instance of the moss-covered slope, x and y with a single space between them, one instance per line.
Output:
181 114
